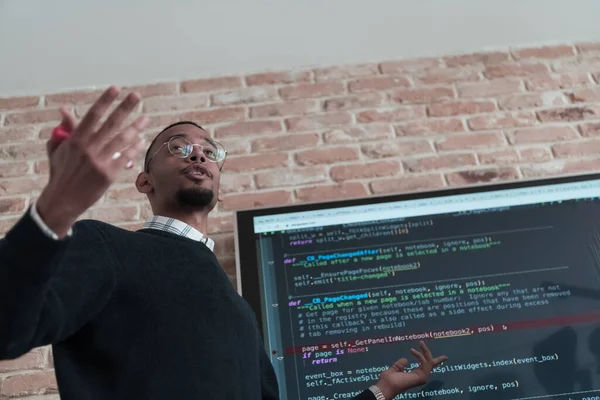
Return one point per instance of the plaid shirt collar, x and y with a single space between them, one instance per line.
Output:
177 227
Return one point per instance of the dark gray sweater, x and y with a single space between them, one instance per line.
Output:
145 314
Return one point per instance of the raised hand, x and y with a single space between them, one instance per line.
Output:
83 166
395 380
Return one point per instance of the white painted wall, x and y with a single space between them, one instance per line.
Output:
56 45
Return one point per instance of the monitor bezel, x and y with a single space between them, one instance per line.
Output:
247 276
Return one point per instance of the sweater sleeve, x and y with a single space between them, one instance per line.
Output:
365 395
49 289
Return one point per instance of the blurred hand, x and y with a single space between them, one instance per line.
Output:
395 380
84 165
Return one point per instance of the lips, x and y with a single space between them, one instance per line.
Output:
197 171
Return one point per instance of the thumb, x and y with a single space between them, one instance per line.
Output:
67 125
68 120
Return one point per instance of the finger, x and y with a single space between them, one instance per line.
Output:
51 146
131 153
419 356
400 365
86 128
112 125
425 350
117 149
438 360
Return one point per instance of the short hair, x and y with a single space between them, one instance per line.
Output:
160 133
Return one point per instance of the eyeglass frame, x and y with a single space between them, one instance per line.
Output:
219 163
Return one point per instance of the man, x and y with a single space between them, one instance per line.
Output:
147 314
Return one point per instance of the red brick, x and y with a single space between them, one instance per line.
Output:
29 384
13 169
229 266
544 52
434 163
176 103
363 100
415 64
378 83
315 122
312 90
211 84
113 214
41 167
577 64
11 205
547 81
224 245
589 129
346 190
479 176
277 77
235 183
345 72
583 95
245 95
296 107
151 90
329 155
567 114
33 117
423 95
430 127
561 167
161 121
353 134
470 141
592 47
484 58
13 103
220 224
535 154
127 194
452 108
236 145
499 157
76 97
248 128
502 120
17 134
27 151
530 100
576 149
397 114
448 76
213 116
284 143
489 88
369 170
543 134
256 162
396 148
285 177
32 360
407 184
509 69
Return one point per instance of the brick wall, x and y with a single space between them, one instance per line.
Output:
337 132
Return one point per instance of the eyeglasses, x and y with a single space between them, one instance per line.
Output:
182 148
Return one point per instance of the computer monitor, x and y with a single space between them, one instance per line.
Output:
504 279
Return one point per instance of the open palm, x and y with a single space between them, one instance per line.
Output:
395 380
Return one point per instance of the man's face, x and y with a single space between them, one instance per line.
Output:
191 182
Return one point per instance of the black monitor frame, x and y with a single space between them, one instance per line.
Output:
247 271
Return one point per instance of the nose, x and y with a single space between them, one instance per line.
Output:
197 154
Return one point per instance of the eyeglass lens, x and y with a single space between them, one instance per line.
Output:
182 148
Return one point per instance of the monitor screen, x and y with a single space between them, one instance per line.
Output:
503 279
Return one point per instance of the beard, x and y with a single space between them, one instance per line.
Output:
195 198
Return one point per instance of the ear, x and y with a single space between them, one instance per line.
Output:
219 195
143 184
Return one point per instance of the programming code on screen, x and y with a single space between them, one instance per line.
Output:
510 294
